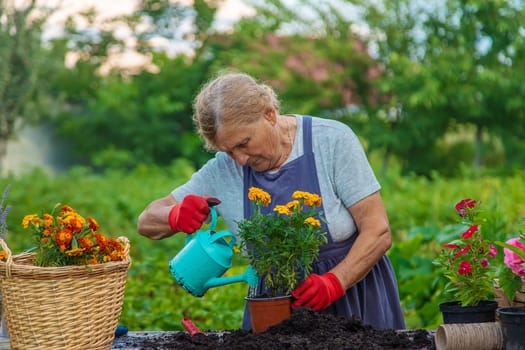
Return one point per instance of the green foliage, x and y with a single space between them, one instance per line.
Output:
419 287
444 65
144 120
317 67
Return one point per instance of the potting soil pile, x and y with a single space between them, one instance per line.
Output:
305 329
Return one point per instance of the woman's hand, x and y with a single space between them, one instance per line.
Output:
318 291
188 215
160 219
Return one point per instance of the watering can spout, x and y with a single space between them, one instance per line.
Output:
249 276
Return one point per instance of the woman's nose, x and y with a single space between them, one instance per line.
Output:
240 157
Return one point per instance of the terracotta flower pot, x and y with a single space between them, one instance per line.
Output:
266 312
453 312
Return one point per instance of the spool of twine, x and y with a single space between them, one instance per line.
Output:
469 336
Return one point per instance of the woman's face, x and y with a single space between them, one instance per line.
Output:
255 145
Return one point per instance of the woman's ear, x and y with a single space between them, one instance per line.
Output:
271 116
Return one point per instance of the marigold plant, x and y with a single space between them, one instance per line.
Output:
64 237
282 245
466 261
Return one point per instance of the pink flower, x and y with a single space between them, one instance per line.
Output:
464 268
513 260
463 204
484 262
493 251
468 233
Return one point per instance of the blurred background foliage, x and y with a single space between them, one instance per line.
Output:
434 91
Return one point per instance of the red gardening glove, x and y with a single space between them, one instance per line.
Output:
188 215
318 291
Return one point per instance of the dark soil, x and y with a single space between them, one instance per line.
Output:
305 329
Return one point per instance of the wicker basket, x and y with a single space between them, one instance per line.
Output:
71 307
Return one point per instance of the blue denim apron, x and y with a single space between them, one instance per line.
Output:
374 300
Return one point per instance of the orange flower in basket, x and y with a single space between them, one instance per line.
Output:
68 238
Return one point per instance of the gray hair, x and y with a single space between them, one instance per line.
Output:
231 99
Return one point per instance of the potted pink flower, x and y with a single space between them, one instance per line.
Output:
466 262
512 281
512 276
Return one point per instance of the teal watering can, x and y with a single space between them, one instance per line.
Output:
205 257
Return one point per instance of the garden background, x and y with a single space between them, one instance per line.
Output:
434 92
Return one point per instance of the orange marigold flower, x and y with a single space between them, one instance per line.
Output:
93 224
312 222
260 196
313 200
282 209
293 205
47 232
75 252
31 219
115 244
116 256
75 222
299 194
3 255
310 199
86 242
66 209
63 238
101 240
48 220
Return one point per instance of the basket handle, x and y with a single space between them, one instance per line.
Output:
124 240
9 261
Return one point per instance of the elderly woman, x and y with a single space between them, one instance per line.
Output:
257 146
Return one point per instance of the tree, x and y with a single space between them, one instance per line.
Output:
446 66
20 59
144 117
315 69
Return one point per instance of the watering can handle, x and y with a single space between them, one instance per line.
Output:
218 235
221 234
213 223
211 202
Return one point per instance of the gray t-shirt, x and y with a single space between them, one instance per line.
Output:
344 173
